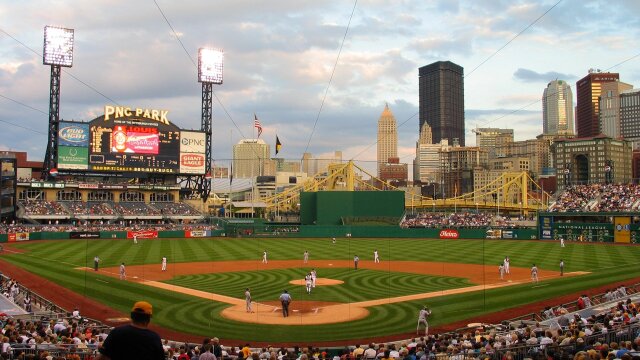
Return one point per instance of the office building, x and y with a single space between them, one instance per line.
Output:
493 139
441 101
610 107
630 116
387 138
597 159
588 90
557 109
251 158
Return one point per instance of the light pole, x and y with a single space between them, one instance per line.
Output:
58 52
210 63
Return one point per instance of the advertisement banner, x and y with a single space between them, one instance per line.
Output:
73 134
622 229
494 234
192 142
135 140
192 163
546 227
22 236
508 234
449 234
84 235
73 157
197 233
142 234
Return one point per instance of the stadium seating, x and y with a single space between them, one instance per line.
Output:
598 198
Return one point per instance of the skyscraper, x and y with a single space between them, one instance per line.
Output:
387 137
589 89
250 158
610 107
441 100
557 109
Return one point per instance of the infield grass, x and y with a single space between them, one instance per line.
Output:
57 260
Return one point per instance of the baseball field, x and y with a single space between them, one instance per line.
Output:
202 291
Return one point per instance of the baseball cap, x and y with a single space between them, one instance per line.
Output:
142 307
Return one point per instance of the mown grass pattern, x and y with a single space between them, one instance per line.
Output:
360 285
56 260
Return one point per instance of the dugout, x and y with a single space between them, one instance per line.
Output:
619 227
331 207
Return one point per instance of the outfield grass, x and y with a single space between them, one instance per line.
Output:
56 260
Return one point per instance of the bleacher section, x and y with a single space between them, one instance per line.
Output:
70 210
598 198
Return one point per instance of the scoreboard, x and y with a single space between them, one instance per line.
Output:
126 140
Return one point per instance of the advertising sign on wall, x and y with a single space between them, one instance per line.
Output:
192 142
73 134
449 234
142 234
192 163
73 157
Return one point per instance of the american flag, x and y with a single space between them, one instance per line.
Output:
257 125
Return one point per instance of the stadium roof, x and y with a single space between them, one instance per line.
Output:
224 186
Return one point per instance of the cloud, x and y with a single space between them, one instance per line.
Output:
531 75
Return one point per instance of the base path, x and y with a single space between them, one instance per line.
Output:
303 312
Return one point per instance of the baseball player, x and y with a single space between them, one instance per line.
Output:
561 241
123 272
264 257
534 274
376 257
96 262
423 315
561 267
164 263
135 238
247 299
306 256
308 281
356 259
506 265
501 271
333 241
314 275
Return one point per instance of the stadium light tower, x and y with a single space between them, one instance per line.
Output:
58 52
210 64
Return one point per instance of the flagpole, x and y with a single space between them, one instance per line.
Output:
230 175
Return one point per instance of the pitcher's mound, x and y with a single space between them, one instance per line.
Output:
319 282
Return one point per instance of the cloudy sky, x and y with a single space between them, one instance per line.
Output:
280 56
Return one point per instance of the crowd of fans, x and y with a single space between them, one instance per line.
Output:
462 219
598 198
35 207
135 209
102 226
175 209
606 334
107 209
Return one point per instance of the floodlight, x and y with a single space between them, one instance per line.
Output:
210 65
58 46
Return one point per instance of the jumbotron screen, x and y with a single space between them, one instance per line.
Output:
130 140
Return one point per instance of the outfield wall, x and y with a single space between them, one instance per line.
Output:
87 235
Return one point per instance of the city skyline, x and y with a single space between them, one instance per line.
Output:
279 58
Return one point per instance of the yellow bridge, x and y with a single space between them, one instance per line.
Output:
511 192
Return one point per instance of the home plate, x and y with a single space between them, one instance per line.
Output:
135 277
295 310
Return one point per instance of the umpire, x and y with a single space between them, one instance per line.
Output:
285 300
